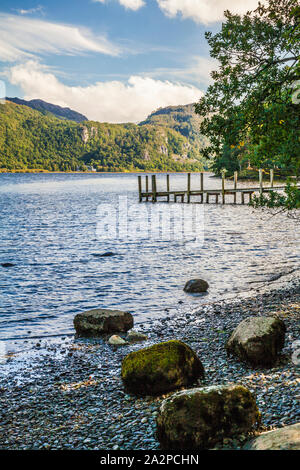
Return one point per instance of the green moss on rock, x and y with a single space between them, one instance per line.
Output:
200 417
161 368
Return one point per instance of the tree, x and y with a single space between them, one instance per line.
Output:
254 97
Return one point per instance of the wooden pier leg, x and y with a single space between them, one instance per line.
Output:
272 178
207 198
223 187
243 197
188 187
235 186
147 188
168 187
260 181
154 197
217 199
201 187
140 188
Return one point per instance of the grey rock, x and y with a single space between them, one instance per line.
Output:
201 417
257 340
98 321
195 286
286 438
117 340
135 336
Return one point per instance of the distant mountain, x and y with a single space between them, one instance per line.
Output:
44 107
31 139
182 119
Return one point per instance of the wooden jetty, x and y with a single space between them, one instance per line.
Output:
241 194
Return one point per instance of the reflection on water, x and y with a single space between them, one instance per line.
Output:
48 228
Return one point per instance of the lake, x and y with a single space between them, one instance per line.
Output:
53 232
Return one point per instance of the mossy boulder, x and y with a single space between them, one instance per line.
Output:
196 286
93 323
257 340
161 368
201 417
287 438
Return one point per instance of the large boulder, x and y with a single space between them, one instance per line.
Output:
287 438
196 286
161 368
257 340
201 417
99 321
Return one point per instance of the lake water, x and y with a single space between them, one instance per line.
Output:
50 233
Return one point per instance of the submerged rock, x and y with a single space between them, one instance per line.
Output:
135 336
195 286
161 368
200 417
287 438
98 321
257 340
117 340
101 255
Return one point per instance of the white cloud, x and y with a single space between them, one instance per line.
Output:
205 11
112 101
30 11
132 4
196 70
129 4
22 37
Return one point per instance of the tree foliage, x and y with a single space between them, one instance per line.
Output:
253 97
251 112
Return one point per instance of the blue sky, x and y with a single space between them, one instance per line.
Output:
112 60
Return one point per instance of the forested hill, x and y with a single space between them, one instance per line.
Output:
44 107
30 139
182 119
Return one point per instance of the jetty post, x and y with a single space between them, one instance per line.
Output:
260 181
147 187
154 196
272 178
235 186
202 186
188 187
223 185
168 188
140 187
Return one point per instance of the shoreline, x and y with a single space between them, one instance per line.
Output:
45 172
70 396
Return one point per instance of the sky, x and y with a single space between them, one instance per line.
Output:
111 60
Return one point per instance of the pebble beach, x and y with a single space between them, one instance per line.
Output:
69 394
